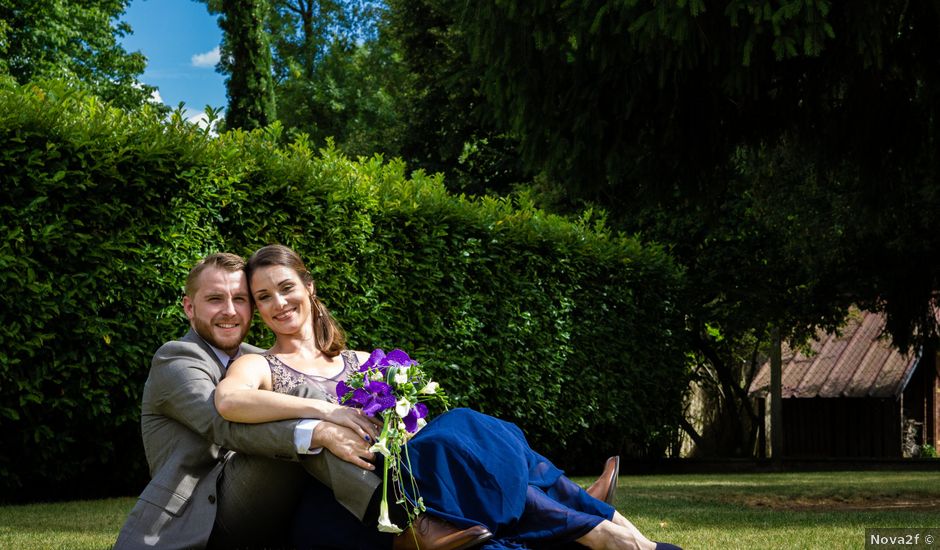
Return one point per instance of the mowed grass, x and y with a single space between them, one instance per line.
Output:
63 525
779 510
747 511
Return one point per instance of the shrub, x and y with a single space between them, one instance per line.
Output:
93 251
568 330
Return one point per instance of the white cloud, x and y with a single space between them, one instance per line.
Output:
154 98
208 59
200 119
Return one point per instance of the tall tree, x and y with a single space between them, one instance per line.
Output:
246 59
444 122
304 31
637 103
76 41
337 73
785 150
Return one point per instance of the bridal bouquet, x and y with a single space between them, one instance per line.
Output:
395 388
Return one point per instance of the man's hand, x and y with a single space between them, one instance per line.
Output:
366 427
343 442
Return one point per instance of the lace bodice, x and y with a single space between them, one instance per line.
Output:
284 378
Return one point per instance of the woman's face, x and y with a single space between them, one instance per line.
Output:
282 299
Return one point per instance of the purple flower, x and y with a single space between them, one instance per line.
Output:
374 360
370 391
379 360
378 397
420 410
359 398
377 387
373 398
341 390
398 358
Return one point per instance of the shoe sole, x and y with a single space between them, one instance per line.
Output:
475 542
612 490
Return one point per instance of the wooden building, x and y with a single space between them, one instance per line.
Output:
853 395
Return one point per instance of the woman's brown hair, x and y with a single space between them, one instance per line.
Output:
327 334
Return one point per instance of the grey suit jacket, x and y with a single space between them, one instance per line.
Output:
186 443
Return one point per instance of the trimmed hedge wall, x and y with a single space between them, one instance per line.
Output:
569 331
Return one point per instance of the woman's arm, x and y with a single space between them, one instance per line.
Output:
179 392
245 395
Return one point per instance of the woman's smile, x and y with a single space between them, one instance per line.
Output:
283 300
285 315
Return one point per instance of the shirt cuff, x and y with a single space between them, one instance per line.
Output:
303 433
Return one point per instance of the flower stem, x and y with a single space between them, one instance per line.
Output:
385 523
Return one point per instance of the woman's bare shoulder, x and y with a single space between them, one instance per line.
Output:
250 361
362 356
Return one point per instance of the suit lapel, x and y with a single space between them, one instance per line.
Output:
191 336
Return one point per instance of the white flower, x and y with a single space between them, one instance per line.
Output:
378 376
385 524
401 377
381 447
430 388
402 407
421 423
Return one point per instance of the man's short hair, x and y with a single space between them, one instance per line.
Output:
221 260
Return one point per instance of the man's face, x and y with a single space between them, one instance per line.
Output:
220 311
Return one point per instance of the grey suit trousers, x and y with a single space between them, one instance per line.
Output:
258 495
339 474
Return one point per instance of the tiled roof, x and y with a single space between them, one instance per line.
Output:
857 362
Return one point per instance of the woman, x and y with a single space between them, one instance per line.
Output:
498 480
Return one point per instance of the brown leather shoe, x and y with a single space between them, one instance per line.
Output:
431 533
605 488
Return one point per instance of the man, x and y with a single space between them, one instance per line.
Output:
222 484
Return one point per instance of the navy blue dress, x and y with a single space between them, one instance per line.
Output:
470 469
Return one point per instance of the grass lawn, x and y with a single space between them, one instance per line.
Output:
752 511
63 525
778 511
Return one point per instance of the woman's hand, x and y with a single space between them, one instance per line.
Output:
343 442
365 427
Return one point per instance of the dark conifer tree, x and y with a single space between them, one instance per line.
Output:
246 59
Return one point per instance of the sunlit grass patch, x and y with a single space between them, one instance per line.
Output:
84 524
747 511
779 510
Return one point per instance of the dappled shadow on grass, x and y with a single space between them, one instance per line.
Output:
777 510
798 490
693 522
820 503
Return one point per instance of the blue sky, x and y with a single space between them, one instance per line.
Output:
180 40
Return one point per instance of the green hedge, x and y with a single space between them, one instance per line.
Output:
571 332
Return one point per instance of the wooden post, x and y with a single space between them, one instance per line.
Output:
776 398
935 404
